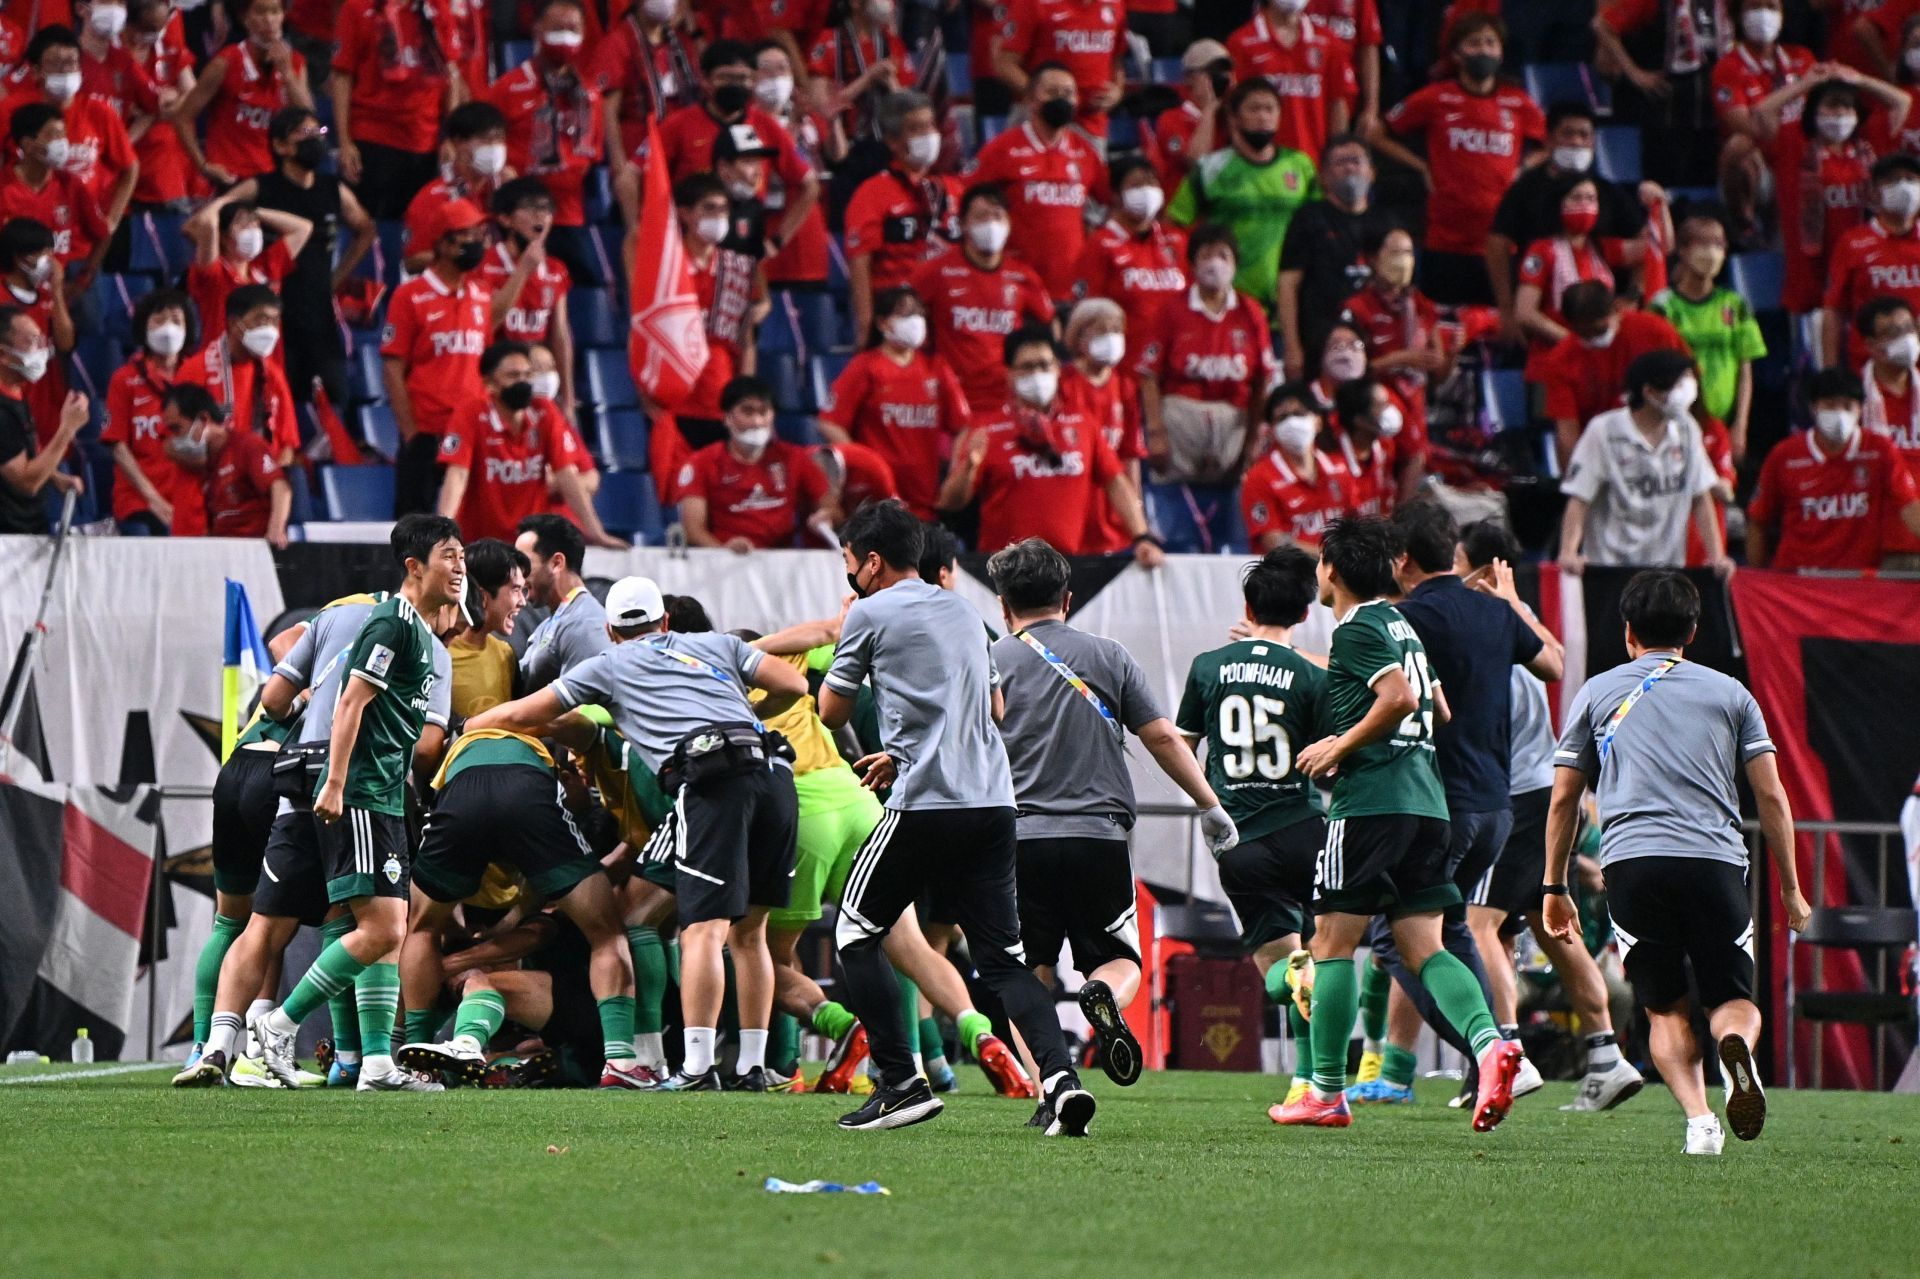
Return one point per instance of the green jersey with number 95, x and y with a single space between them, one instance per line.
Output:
1402 773
1257 702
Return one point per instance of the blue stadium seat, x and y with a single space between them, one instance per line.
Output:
809 319
113 298
157 247
1617 153
594 323
960 74
601 250
1167 71
391 242
366 378
1551 82
991 127
792 392
599 195
303 509
1504 392
623 439
825 370
512 54
1758 277
797 428
358 492
1680 197
1123 132
627 503
778 333
380 430
610 381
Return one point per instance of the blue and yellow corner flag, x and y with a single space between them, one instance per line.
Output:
245 663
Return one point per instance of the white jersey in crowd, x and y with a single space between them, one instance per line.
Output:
1641 494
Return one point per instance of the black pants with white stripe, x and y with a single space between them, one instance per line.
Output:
966 855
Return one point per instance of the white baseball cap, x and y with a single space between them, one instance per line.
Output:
634 601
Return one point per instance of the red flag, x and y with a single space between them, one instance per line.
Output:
667 339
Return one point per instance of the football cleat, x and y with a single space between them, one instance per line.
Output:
862 1085
310 1079
777 1082
1370 1064
942 1079
1296 1091
248 1072
1042 1116
1300 978
1311 1112
849 1051
343 1074
628 1074
193 1058
1527 1079
323 1057
681 1081
459 1058
1605 1089
1003 1068
1119 1050
1499 1064
911 1103
1746 1099
399 1081
276 1051
1380 1092
1705 1138
1070 1106
208 1070
532 1071
754 1080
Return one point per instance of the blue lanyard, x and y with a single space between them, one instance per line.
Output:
1074 682
1613 721
689 661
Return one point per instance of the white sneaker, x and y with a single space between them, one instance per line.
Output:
276 1051
1527 1079
1704 1136
248 1072
459 1058
398 1081
1605 1089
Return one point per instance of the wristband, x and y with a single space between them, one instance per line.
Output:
1148 537
1556 890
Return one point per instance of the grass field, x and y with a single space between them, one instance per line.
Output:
1183 1177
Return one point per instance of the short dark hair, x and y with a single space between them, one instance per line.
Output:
725 53
1280 586
415 535
1024 336
743 388
1896 164
1209 234
1817 98
1030 576
1375 232
1337 140
1656 369
1835 384
1471 23
1361 552
556 535
1567 183
1354 398
695 187
1251 87
887 529
1864 319
1587 301
517 194
53 37
1126 166
1051 64
23 237
490 563
1569 109
157 300
471 119
282 123
232 210
1300 392
1485 541
497 352
1662 606
1430 534
193 401
885 303
939 549
249 296
686 615
30 119
992 192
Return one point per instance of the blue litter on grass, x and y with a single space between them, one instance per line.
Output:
776 1186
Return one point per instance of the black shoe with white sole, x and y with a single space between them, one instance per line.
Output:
1071 1107
1746 1099
889 1107
1119 1050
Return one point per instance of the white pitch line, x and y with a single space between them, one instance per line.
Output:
99 1073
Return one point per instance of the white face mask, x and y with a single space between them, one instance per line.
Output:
546 386
1836 426
1344 365
880 12
1294 434
1037 388
1573 159
57 152
774 92
247 243
989 237
1912 58
490 158
909 331
741 189
1107 348
1762 26
33 364
62 87
563 39
1902 198
262 340
754 439
1602 342
1903 350
1290 6
712 230
659 10
1390 421
1836 128
167 339
922 150
1677 404
42 269
1214 274
1143 202
108 20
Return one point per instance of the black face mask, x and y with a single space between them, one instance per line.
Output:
311 152
1257 139
469 254
1478 66
1222 81
1056 113
517 395
853 580
731 99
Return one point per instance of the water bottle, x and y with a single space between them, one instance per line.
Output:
82 1046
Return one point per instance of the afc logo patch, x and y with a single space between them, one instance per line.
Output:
380 660
450 445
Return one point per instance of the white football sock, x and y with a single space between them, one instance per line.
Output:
699 1042
753 1051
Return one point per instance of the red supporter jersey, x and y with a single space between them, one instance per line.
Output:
64 204
824 55
239 485
530 318
1839 205
13 44
1173 131
166 173
1309 73
1224 359
1047 192
1371 485
1867 264
899 221
1893 417
209 286
869 477
1742 80
651 79
1087 37
249 93
1027 490
1355 23
398 59
971 310
117 83
555 132
437 333
1391 325
1114 408
1717 443
1582 382
255 392
725 287
98 149
1831 509
425 206
806 258
688 136
763 501
1144 273
506 464
1274 498
907 414
1474 145
133 419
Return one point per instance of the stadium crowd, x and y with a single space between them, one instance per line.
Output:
1295 262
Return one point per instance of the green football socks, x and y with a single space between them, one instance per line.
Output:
206 973
833 1020
783 1044
343 1008
378 990
616 1026
479 1016
933 1047
1376 984
420 1025
972 1027
1279 989
1457 991
334 971
649 977
1397 1065
1336 999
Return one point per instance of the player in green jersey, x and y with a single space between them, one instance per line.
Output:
1387 829
1257 702
359 806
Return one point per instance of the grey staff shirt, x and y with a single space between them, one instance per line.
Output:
662 688
576 631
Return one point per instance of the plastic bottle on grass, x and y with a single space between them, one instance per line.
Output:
82 1046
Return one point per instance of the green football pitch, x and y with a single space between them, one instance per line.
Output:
1183 1178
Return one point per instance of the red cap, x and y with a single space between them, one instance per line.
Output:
455 215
